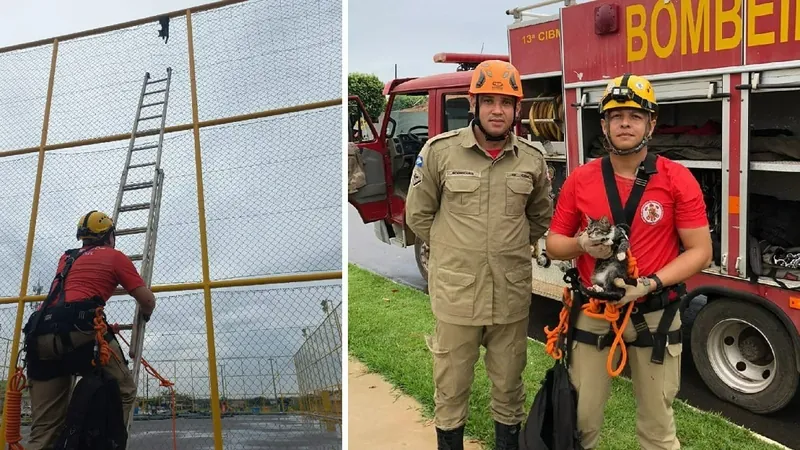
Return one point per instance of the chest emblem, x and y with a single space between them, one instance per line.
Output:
652 212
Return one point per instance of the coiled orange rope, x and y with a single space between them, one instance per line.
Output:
592 309
16 385
100 329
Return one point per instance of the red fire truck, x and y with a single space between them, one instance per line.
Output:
727 80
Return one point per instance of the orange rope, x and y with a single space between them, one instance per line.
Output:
100 332
592 309
162 381
16 385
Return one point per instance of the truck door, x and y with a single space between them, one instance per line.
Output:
368 190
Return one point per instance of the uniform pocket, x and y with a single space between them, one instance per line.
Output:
672 371
518 189
519 288
457 292
463 195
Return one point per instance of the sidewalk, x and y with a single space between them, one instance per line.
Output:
381 417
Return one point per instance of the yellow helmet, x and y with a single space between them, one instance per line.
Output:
629 91
94 225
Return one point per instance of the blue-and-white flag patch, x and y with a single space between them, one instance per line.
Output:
419 161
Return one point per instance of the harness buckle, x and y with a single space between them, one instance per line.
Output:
602 341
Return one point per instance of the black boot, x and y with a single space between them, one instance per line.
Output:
506 437
450 439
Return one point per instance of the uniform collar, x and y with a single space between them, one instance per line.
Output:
468 140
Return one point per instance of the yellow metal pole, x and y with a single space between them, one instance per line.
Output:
177 128
201 211
182 287
12 366
119 26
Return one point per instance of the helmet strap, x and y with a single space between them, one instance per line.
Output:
609 147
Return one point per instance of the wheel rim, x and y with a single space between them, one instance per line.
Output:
423 256
741 356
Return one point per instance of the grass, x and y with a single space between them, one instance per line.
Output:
387 326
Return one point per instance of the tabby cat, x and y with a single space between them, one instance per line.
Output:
606 270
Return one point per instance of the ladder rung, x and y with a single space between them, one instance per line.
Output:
160 80
135 186
135 257
146 147
155 92
152 104
129 231
149 117
136 166
134 207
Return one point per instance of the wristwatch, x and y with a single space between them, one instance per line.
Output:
657 281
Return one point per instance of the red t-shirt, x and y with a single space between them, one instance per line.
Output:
98 272
494 153
672 200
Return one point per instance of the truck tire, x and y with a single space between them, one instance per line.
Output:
421 255
744 355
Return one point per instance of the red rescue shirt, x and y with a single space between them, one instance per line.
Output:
672 200
97 273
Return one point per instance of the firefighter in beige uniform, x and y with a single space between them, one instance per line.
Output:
480 197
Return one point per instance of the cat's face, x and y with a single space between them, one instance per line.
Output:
599 230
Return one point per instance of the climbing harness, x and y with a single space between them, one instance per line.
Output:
598 306
59 320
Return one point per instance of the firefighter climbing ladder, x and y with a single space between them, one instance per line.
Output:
146 109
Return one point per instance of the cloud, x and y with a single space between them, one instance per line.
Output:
409 38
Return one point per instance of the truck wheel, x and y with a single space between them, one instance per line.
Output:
744 355
421 254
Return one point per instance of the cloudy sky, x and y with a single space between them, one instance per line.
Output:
272 186
380 36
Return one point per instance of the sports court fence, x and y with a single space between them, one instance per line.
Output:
249 237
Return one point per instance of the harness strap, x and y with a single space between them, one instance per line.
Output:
625 215
601 341
661 338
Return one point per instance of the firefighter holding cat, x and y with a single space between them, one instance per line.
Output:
670 211
480 197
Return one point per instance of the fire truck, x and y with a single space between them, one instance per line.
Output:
727 79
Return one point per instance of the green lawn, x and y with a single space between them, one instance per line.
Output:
387 325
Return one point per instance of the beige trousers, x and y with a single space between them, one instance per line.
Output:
50 399
456 349
654 385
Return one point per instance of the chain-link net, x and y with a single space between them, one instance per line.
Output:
319 367
271 196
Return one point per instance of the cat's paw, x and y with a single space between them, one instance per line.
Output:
621 256
596 288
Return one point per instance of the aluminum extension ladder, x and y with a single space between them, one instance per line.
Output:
149 100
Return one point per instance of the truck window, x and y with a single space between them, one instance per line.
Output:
407 131
410 114
456 111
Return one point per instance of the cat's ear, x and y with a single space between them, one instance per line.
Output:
589 219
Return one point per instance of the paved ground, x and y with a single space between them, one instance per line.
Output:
289 432
398 264
392 421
